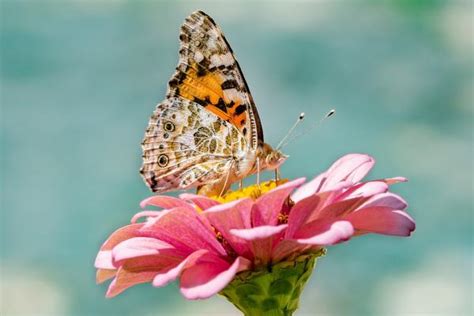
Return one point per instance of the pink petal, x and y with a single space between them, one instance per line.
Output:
338 231
232 215
301 212
337 209
143 246
141 214
269 205
163 201
120 235
352 167
394 180
204 280
365 189
162 279
104 260
186 230
103 275
125 279
386 199
308 188
382 220
312 188
104 257
140 270
286 248
262 239
203 202
259 232
146 268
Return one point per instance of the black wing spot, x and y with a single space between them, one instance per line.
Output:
240 109
229 84
201 71
163 160
168 126
203 102
221 105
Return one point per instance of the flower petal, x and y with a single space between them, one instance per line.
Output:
286 248
144 246
387 199
269 205
103 260
394 180
382 220
185 229
300 213
351 167
329 234
163 201
104 257
103 275
346 171
138 260
232 215
262 239
162 279
125 279
364 189
259 232
201 201
308 188
205 279
147 214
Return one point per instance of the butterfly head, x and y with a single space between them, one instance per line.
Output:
272 158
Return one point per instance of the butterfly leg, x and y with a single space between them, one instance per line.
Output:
277 174
258 171
241 184
225 187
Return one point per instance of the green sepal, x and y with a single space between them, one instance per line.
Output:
274 290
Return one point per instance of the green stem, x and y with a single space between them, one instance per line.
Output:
273 291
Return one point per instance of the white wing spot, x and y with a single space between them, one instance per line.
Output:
198 56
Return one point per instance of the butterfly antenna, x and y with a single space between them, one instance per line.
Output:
290 131
316 124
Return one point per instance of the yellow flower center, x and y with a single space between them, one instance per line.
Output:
252 191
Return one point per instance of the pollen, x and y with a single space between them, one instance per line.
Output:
282 218
253 191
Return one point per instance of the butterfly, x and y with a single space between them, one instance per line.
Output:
207 133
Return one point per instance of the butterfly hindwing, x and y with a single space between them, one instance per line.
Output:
209 75
186 146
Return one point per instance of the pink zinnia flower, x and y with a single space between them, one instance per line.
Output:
207 245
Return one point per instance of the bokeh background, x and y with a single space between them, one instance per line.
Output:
79 80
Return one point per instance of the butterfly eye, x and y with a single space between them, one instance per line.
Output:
163 160
168 126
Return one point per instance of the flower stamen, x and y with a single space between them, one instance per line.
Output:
253 191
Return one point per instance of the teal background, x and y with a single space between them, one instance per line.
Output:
79 80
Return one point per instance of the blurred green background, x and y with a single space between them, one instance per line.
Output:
80 79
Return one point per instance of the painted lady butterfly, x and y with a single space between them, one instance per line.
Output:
207 132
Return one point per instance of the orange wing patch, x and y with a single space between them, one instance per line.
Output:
205 88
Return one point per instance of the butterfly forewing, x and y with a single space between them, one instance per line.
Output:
208 74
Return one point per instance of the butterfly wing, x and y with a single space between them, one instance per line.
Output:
209 74
186 146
